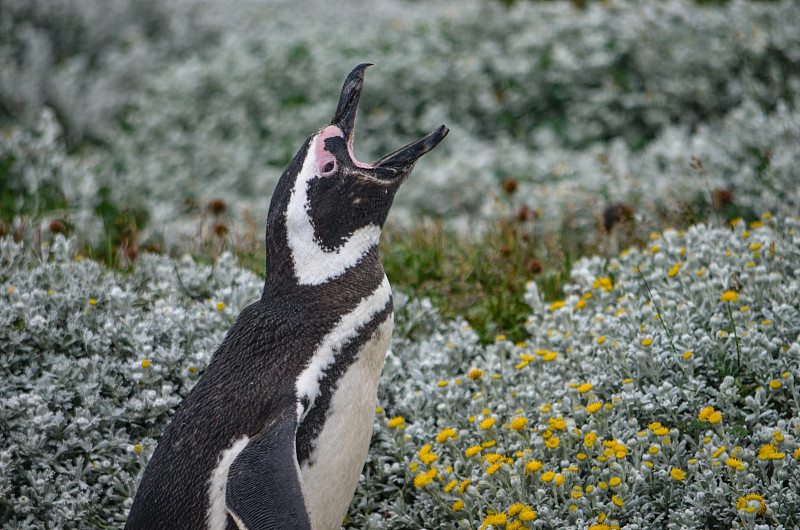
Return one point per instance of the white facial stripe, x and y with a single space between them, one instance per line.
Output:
313 264
217 517
341 334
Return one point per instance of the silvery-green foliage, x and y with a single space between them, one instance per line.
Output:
81 410
649 337
84 58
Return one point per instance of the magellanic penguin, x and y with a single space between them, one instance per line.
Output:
276 431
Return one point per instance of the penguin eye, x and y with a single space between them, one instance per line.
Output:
327 165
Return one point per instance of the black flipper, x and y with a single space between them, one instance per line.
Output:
263 490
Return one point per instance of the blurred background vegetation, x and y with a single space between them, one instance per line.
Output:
577 127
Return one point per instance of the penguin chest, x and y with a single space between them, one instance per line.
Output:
331 472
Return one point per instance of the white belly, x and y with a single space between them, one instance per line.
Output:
341 448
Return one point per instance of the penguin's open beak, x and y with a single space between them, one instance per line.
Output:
401 160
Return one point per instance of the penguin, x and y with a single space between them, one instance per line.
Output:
276 431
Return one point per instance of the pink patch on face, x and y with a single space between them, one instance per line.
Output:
326 162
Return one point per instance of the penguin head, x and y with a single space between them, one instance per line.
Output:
328 209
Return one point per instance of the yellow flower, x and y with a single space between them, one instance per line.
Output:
550 356
584 388
674 270
492 458
519 423
653 449
557 304
137 448
614 482
515 508
145 363
500 338
487 423
472 451
552 442
533 466
560 479
769 452
729 296
590 439
450 485
760 509
617 500
547 476
647 342
775 384
605 283
527 514
734 463
514 525
423 479
443 383
496 519
557 423
221 306
493 468
677 474
92 301
754 246
593 407
458 505
464 485
661 431
445 434
706 413
475 374
398 422
715 418
687 355
601 340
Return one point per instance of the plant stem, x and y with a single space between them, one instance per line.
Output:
736 340
658 313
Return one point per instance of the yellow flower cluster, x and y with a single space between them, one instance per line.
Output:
423 479
710 415
445 434
752 503
770 452
425 454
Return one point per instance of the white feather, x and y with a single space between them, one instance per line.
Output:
344 330
332 472
217 516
